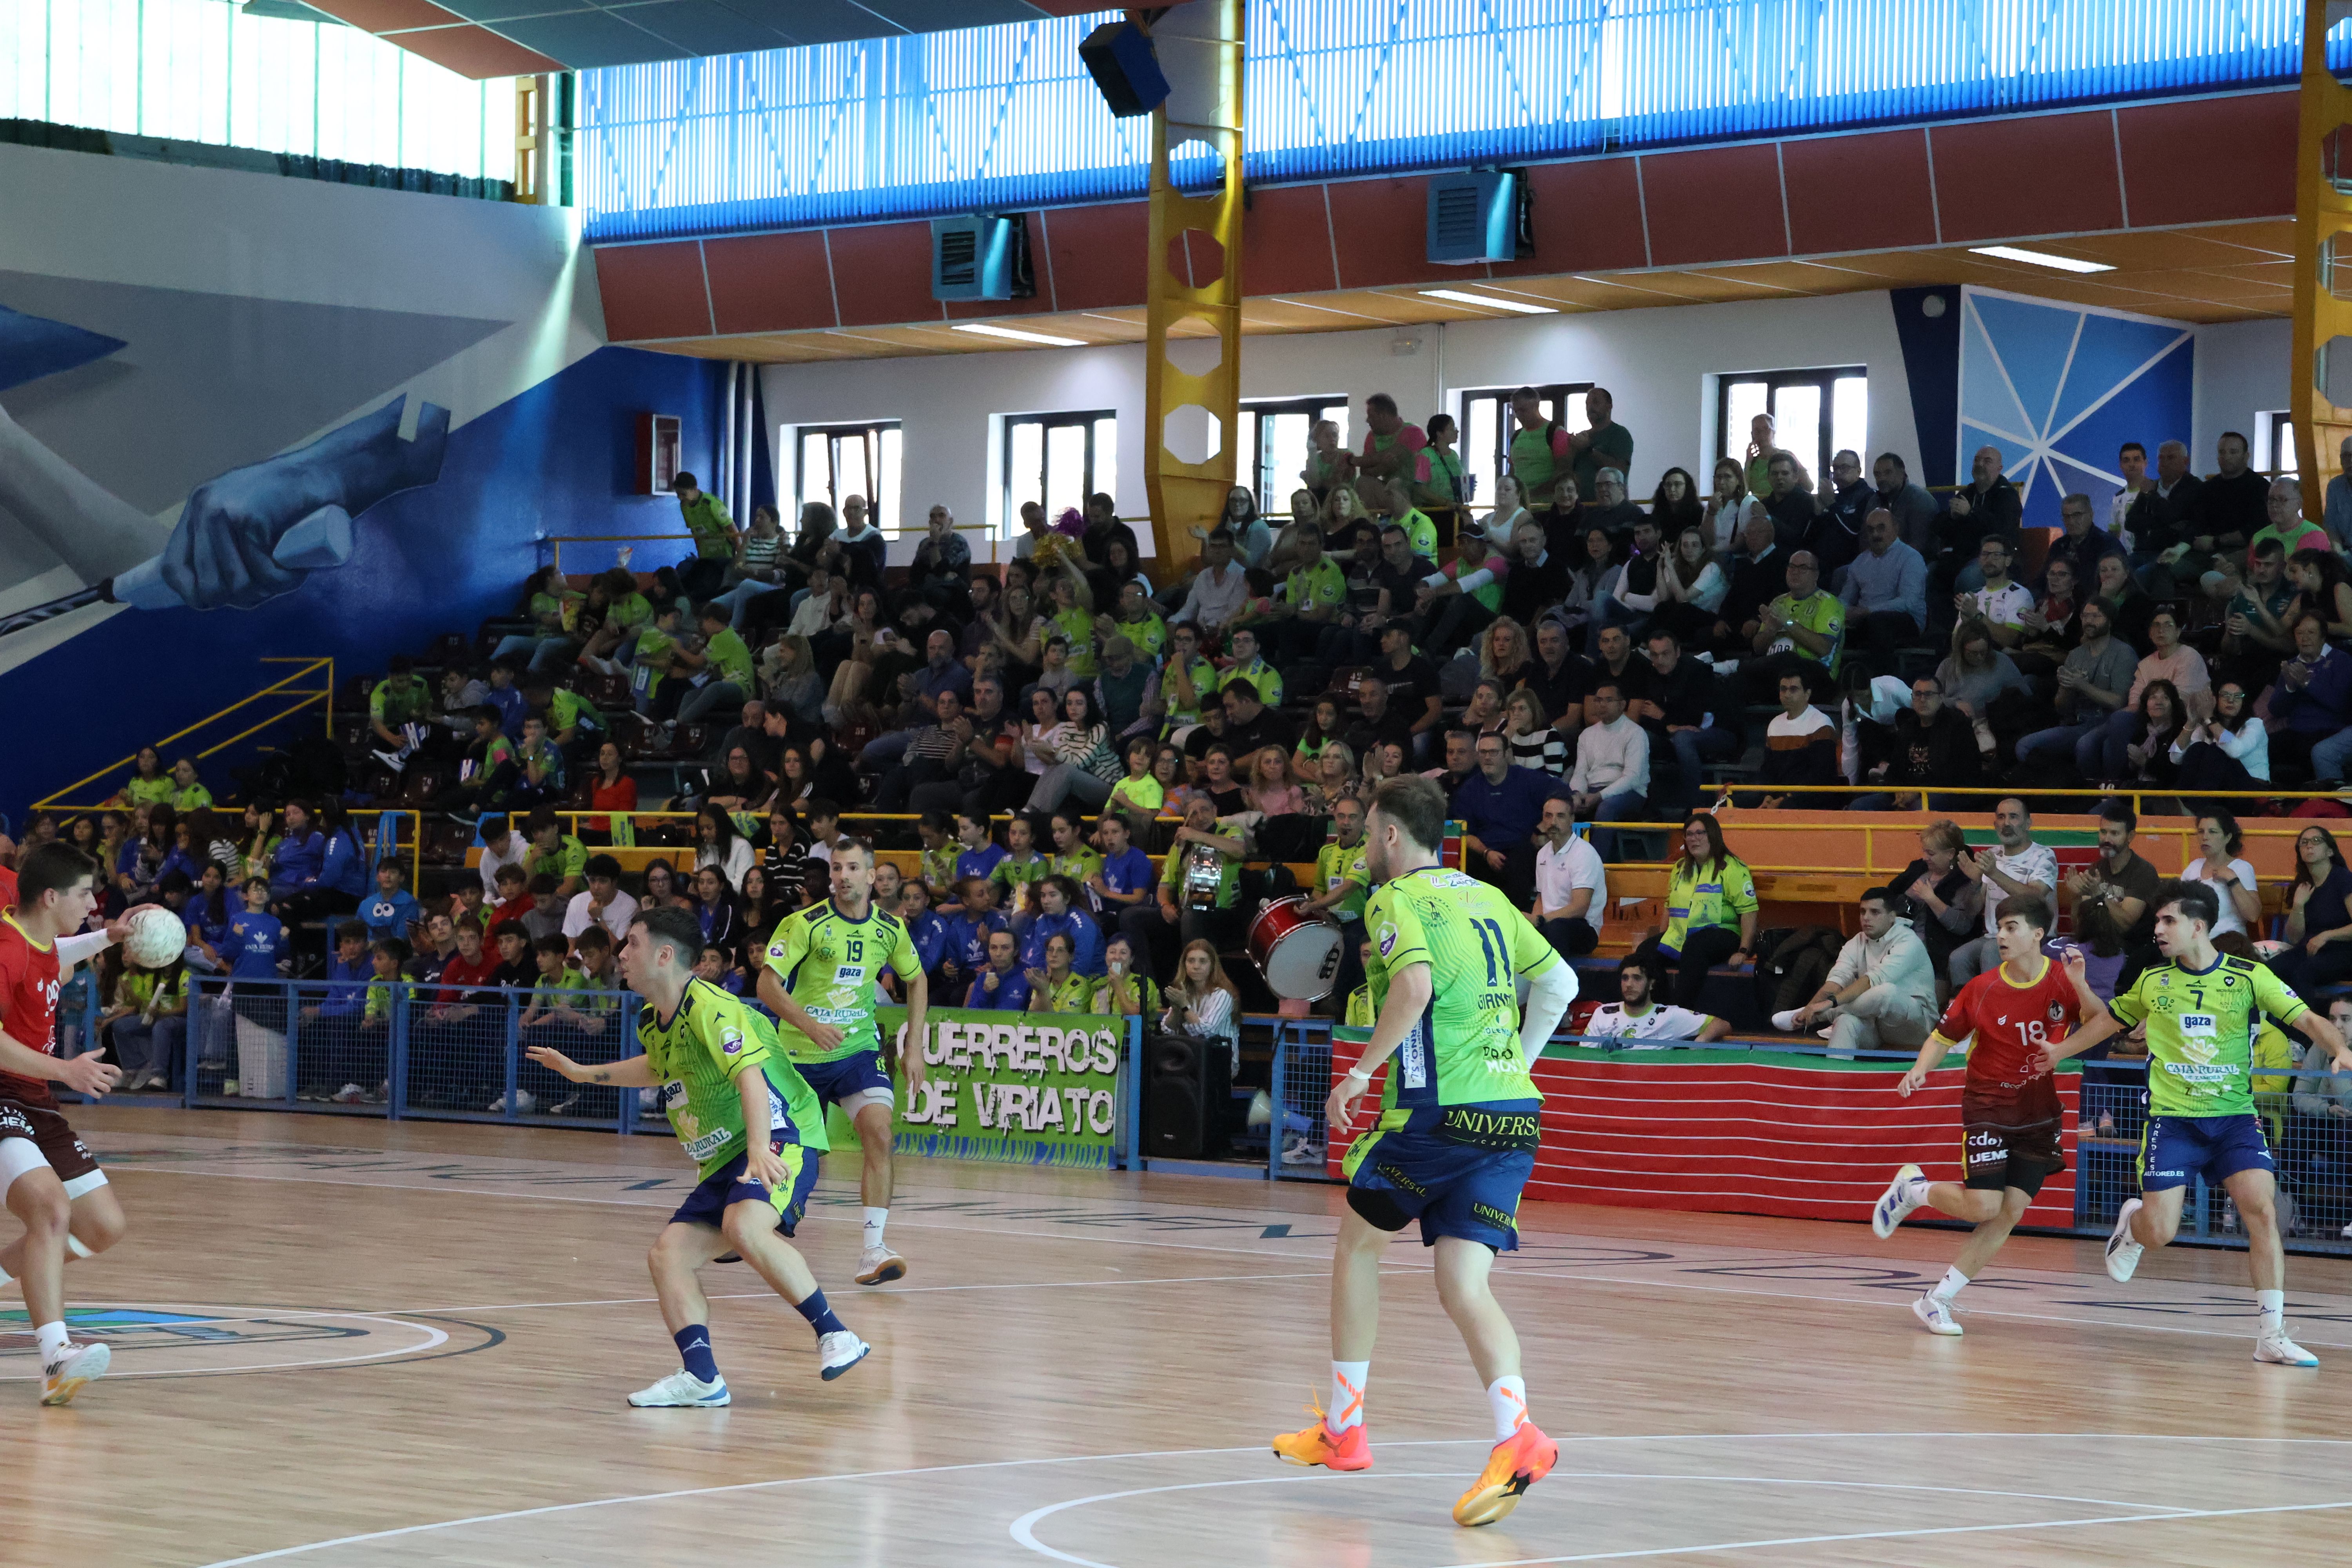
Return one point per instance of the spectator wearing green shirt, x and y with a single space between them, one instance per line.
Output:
551 605
396 710
1186 681
1198 883
488 774
627 612
555 853
1602 443
573 722
1249 667
1139 622
1070 608
1305 614
1342 879
1392 448
187 793
1540 450
727 661
1803 632
150 785
714 537
1447 489
1392 501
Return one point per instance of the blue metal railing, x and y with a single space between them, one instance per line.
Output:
1005 117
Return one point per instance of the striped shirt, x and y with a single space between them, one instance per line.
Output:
1545 750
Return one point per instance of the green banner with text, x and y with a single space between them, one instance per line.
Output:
1033 1089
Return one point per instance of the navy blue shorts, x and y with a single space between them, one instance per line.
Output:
846 1077
1409 1172
725 1187
2176 1150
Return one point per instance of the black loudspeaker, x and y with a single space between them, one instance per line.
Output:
1180 1080
1119 56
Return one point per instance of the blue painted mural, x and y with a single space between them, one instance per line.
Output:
2057 389
377 538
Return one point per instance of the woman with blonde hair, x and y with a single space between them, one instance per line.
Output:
1691 588
1270 790
1203 1001
1335 778
1503 652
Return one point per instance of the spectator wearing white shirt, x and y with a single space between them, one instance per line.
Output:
1637 1021
2017 868
503 843
1572 886
1881 991
1610 780
2000 604
1219 589
603 903
2231 879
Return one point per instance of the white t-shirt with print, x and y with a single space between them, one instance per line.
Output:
1660 1021
2033 864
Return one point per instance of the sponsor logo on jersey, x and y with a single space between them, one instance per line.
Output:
1388 939
730 1042
1414 1056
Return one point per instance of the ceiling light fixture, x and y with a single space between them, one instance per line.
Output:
1018 336
2040 258
1521 306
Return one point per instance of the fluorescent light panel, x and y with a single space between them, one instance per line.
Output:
1519 305
1018 336
2040 258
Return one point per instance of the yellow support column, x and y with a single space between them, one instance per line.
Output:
1194 273
2322 296
531 139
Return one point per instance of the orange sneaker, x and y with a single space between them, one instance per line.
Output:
1316 1445
1518 1462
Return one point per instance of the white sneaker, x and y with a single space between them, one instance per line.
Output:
1299 1152
837 1352
2278 1348
524 1103
879 1265
63 1378
1786 1022
1937 1313
1894 1207
680 1390
350 1094
1826 1030
2123 1252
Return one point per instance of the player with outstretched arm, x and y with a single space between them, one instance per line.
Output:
819 982
2202 1009
753 1128
53 1182
1455 1140
2012 1122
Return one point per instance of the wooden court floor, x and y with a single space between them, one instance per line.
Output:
341 1344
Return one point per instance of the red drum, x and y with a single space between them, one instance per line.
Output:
1296 950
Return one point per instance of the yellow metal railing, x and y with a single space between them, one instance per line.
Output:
297 699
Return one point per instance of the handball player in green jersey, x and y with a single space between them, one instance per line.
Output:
1456 1137
753 1131
2202 1011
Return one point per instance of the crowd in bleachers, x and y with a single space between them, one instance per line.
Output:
1097 766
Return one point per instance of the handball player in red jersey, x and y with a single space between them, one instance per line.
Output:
52 1182
2010 1118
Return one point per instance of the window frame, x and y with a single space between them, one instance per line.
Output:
2275 428
1824 377
1337 406
879 502
1008 523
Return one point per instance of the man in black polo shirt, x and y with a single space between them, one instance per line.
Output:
1837 536
1790 508
1378 720
1562 678
2236 501
1620 665
1411 681
1250 725
1397 576
1688 718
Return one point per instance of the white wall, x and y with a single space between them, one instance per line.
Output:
2242 369
1657 362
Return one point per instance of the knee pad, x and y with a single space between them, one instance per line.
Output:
1378 1209
75 1246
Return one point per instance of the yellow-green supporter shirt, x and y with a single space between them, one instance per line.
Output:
1818 613
1335 865
1699 898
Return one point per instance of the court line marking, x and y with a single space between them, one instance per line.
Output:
2009 1436
439 1337
1023 1530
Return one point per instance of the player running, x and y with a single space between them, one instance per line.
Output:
721 1075
820 981
1456 1135
2203 1010
2010 1118
53 1184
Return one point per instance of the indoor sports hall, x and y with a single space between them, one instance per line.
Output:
1260 781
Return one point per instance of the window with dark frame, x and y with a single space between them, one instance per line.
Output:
1274 438
2273 452
1815 413
1487 428
832 462
1057 461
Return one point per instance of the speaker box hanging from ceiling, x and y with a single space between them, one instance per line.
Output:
1125 68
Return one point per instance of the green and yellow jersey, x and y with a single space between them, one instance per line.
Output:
696 1055
568 859
1700 897
566 708
1261 677
829 964
1148 634
1079 626
1012 875
393 704
1320 587
1071 993
1139 987
731 660
1361 1013
1464 1050
1335 865
1818 613
1203 676
936 866
1078 866
2201 1032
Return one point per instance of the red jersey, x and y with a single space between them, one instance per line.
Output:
463 974
7 889
2012 1023
30 978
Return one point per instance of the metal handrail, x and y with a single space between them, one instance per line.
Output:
53 801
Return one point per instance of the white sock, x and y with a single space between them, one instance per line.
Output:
874 1220
1508 1398
53 1340
6 1277
1915 1190
1954 1280
2272 1304
1347 1408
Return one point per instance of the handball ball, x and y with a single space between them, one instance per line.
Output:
156 938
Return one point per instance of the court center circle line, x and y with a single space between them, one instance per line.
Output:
1023 1530
435 1340
397 1531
